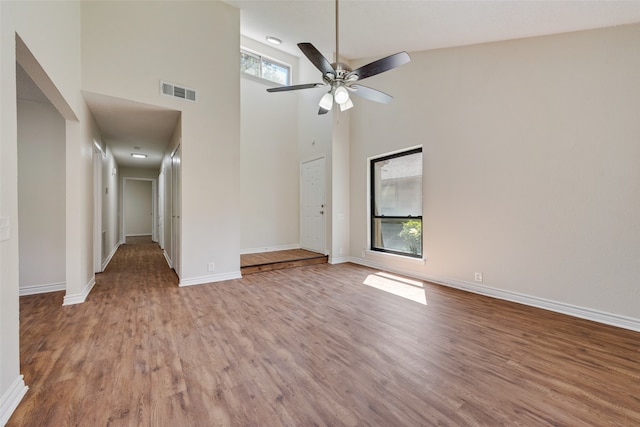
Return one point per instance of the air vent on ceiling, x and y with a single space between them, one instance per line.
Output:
176 91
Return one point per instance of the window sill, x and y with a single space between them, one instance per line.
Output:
260 80
368 253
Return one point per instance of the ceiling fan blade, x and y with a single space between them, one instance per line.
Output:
381 65
371 94
316 58
294 87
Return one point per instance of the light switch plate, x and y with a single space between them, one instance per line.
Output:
5 228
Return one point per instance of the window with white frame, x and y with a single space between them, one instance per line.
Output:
257 65
396 203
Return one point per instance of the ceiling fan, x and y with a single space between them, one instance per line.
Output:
342 80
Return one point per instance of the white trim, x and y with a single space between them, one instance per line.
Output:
97 207
339 260
108 259
11 399
138 235
166 257
396 257
210 279
391 153
42 289
269 249
617 320
82 296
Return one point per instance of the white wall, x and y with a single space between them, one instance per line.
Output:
195 44
110 198
315 134
51 33
269 171
530 166
138 207
41 197
339 206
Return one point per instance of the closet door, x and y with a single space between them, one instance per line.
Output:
176 204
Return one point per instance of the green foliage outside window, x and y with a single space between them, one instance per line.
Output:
411 235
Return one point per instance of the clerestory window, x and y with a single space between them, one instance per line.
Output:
257 65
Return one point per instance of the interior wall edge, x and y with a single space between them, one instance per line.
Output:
80 297
11 398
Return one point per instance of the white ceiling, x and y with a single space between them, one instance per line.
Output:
377 28
126 125
368 29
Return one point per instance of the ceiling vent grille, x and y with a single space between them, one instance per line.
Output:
176 91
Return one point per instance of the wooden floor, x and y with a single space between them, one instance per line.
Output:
278 260
327 345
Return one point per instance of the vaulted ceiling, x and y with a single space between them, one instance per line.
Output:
373 28
368 28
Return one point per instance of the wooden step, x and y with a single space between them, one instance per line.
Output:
277 260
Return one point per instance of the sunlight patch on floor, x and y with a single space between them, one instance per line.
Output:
401 286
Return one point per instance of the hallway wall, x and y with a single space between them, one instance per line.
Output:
47 35
195 44
110 205
41 197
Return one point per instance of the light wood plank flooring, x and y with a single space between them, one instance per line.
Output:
325 345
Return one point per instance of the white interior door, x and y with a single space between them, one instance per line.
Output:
176 207
312 209
160 209
97 211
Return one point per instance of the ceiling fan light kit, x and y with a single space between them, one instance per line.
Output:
326 102
341 95
342 79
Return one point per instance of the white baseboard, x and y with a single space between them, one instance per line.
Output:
82 296
210 279
558 307
11 399
42 289
269 249
138 235
339 260
108 259
166 257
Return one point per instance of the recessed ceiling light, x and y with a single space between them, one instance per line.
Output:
139 156
273 40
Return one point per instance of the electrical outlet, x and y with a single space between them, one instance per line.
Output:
478 277
211 266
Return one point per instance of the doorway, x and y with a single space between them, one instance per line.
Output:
176 206
138 208
312 205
